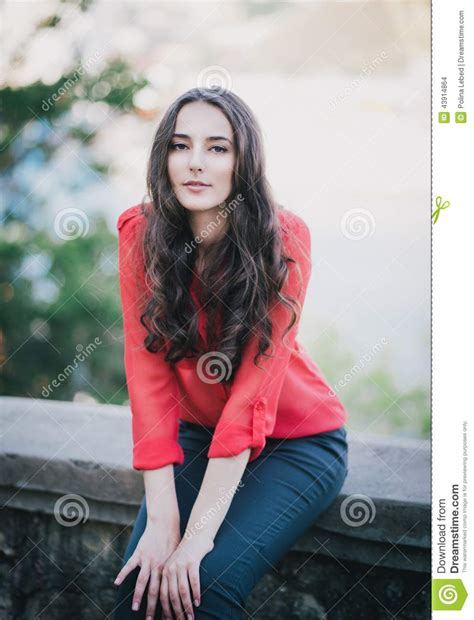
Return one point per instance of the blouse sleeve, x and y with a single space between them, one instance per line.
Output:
250 411
151 382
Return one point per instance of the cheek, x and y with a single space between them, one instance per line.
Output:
226 171
175 168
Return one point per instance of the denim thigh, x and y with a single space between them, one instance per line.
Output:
280 496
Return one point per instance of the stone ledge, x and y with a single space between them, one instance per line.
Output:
51 448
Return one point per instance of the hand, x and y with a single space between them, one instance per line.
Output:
181 566
156 544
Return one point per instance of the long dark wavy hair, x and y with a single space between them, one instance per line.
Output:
242 273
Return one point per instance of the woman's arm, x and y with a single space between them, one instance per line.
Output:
161 501
219 484
152 386
154 402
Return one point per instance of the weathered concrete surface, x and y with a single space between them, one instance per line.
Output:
50 449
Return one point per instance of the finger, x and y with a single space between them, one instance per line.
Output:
153 589
193 572
164 596
140 586
174 594
126 569
184 592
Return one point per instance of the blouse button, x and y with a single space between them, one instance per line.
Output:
259 421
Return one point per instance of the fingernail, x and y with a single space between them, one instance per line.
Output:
189 617
135 606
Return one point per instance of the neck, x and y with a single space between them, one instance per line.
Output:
208 226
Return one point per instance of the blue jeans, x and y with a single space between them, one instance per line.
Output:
281 495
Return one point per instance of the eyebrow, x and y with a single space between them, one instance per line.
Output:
209 139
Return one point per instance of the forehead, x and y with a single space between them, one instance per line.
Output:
200 120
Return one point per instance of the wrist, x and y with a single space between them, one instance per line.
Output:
201 536
162 519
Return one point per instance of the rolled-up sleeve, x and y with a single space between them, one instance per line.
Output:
249 414
151 382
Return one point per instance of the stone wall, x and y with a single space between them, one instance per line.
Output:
367 556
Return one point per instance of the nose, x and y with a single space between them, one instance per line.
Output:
195 159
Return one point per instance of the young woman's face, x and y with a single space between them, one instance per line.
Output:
202 149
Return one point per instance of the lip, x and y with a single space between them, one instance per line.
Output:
195 186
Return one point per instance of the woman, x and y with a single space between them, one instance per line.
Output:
241 440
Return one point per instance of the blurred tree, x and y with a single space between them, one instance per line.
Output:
58 293
61 310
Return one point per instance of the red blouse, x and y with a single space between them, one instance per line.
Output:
288 398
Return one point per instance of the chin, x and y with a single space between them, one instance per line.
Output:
198 203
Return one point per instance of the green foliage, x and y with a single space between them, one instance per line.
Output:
43 333
115 85
60 299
